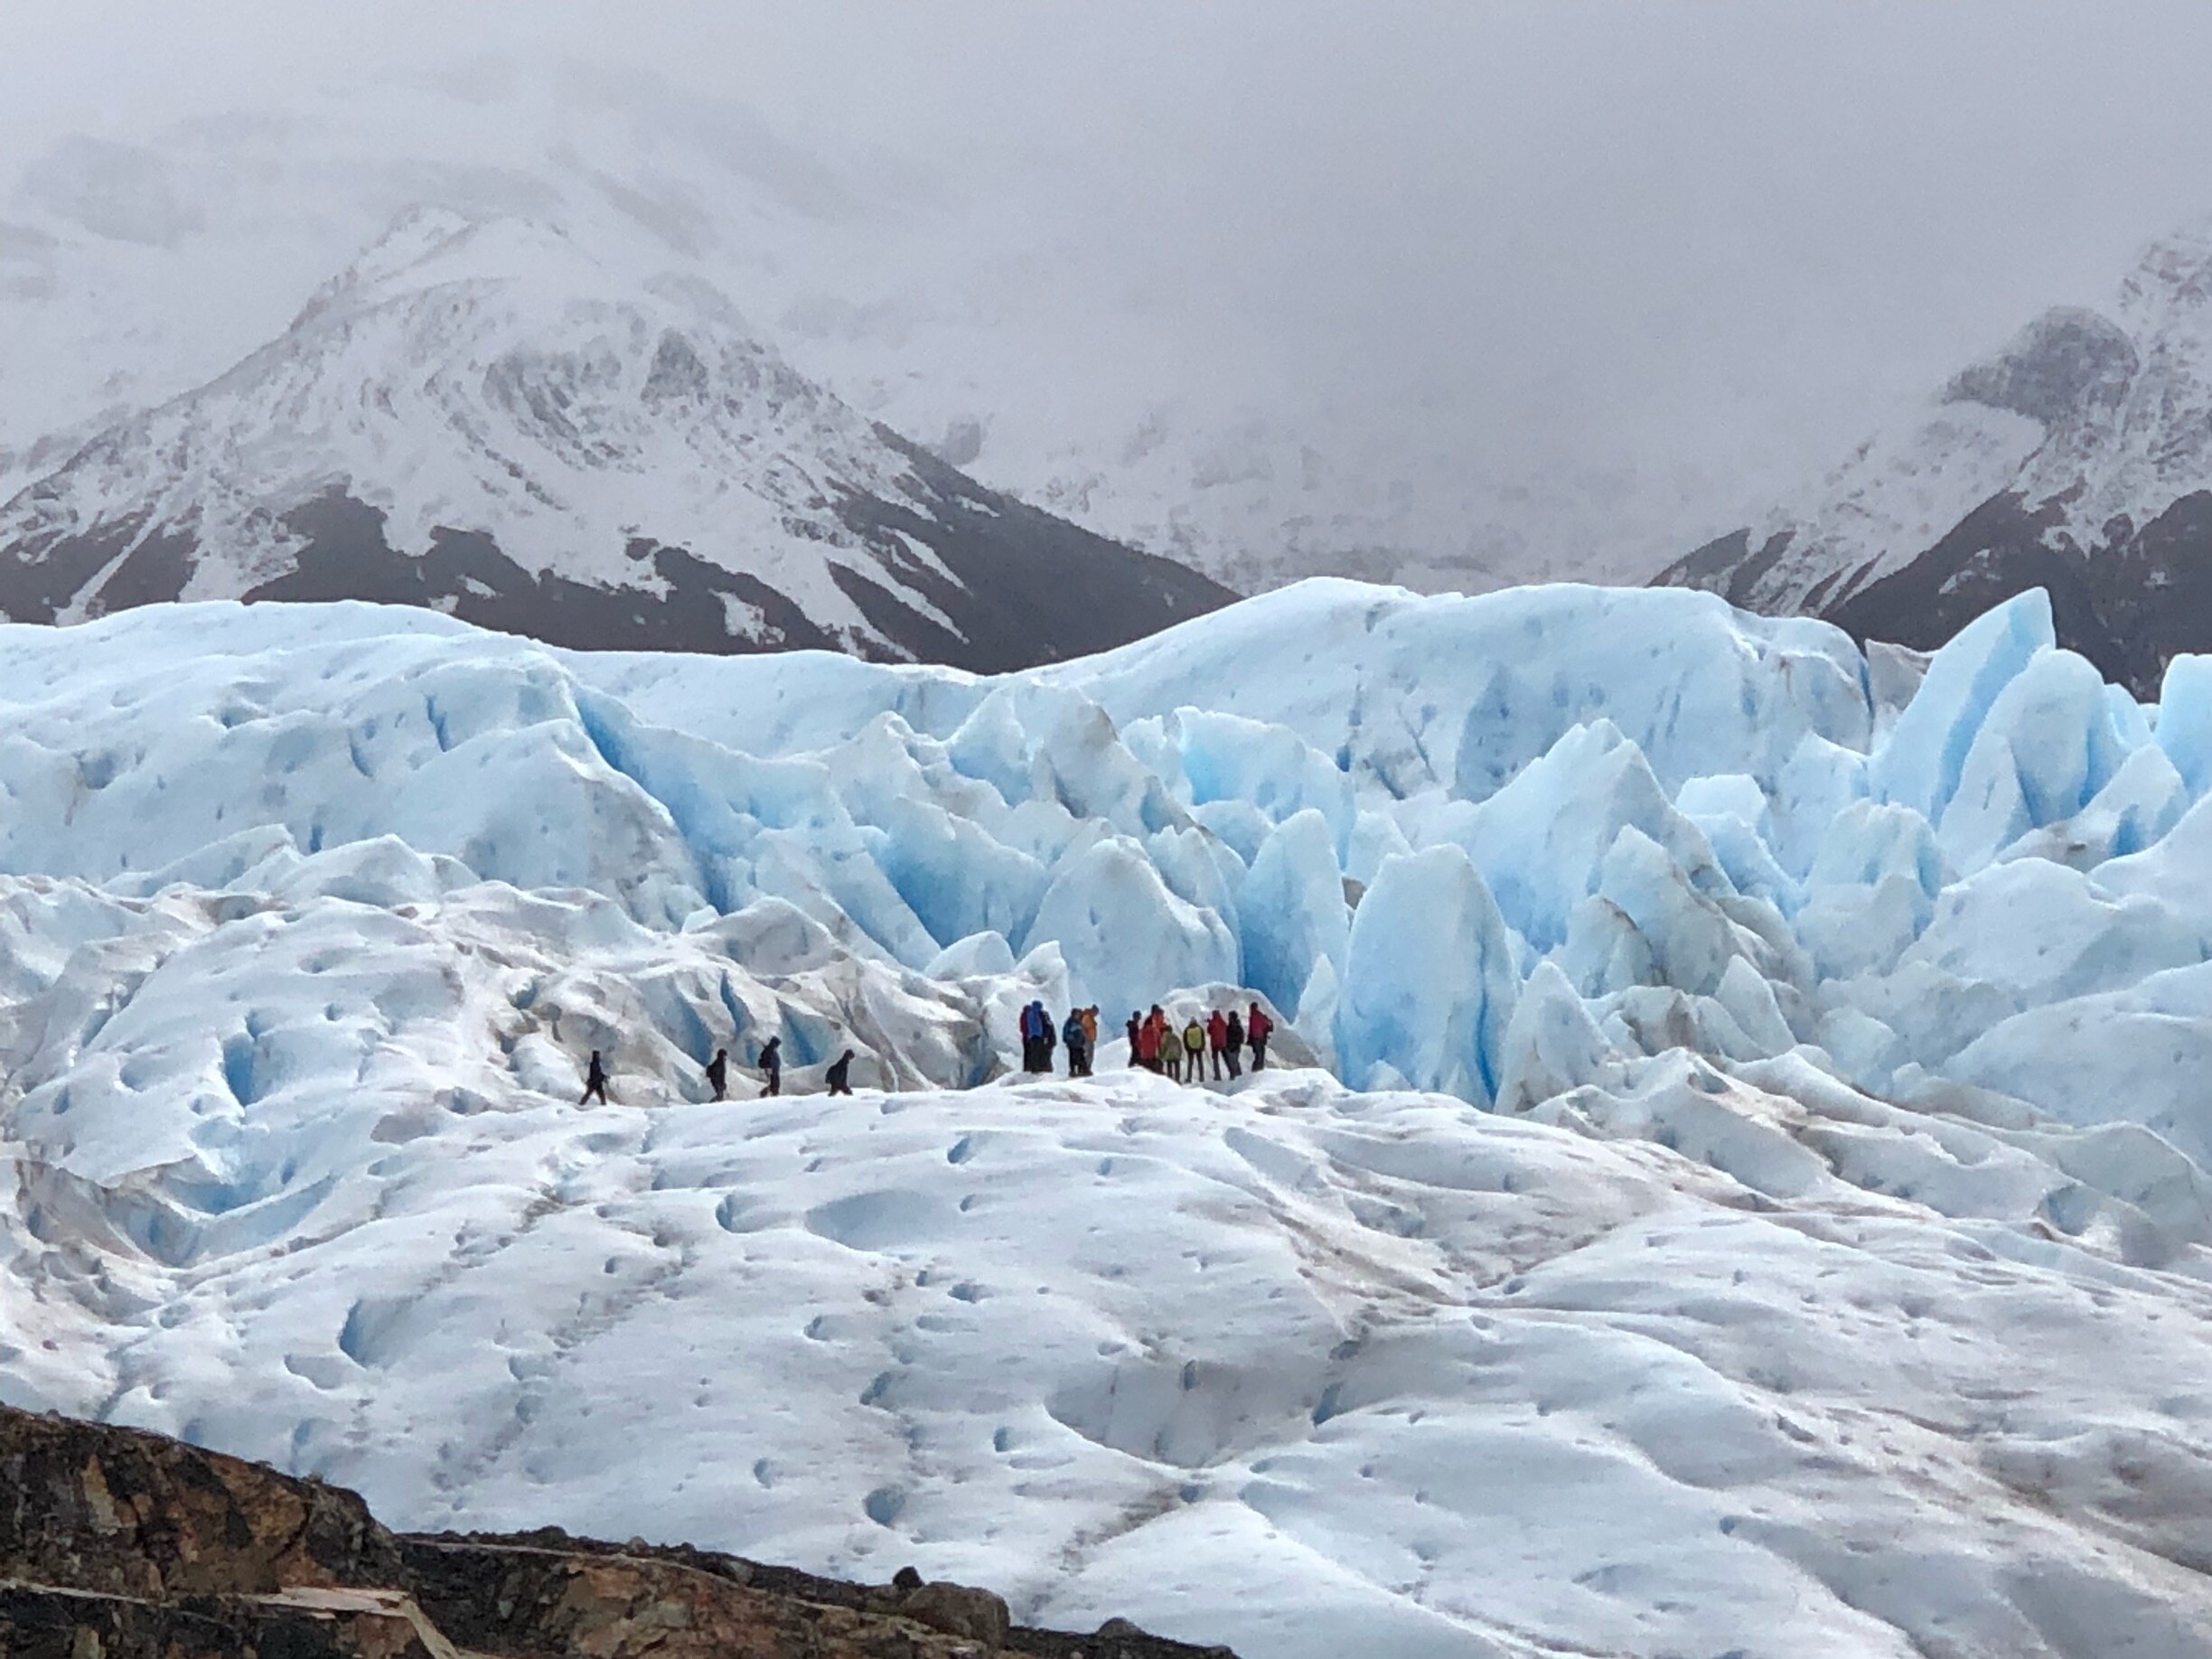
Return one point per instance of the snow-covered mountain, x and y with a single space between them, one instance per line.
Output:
1733 1175
482 417
2077 460
134 267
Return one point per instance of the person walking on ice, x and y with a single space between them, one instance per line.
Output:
1232 1049
1193 1050
1078 1049
1170 1049
595 1080
1217 1039
771 1067
717 1073
839 1074
1257 1026
1036 1034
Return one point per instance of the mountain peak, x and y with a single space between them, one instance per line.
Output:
479 415
431 248
2078 459
2068 360
2172 275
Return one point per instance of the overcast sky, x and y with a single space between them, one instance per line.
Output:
1687 230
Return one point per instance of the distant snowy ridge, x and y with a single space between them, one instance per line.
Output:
480 416
2079 460
1735 1174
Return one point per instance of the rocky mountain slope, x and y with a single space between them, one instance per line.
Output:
483 416
125 1545
2078 459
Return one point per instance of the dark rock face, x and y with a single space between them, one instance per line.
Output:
1726 566
1025 587
2129 605
116 1543
345 555
1032 588
2067 363
1995 552
54 1623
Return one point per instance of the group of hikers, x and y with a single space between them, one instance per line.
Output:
837 1074
1078 1032
1155 1041
1155 1044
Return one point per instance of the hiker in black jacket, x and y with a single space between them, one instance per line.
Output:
717 1073
839 1074
771 1066
595 1080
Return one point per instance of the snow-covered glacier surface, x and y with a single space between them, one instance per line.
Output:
1735 1180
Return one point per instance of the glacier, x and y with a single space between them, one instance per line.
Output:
1730 1177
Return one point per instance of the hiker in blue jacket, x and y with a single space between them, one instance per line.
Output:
1036 1029
1078 1041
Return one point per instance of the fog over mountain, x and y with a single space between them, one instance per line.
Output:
1465 295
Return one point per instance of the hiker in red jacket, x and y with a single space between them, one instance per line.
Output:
1148 1041
1217 1039
1257 1027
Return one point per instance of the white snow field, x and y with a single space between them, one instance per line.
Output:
1737 1182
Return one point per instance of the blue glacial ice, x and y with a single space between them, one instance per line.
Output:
1713 1120
1405 804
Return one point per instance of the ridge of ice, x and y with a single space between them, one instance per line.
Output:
1747 1133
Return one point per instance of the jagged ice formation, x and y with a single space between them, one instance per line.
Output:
1737 1177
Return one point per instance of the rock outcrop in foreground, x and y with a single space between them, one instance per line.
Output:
116 1543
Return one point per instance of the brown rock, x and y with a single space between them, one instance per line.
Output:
93 1506
960 1611
119 1544
503 1598
38 1623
